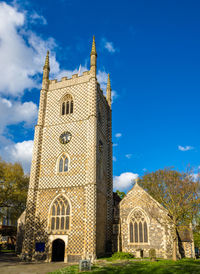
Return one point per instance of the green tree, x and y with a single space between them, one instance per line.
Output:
196 235
196 230
177 192
13 189
121 194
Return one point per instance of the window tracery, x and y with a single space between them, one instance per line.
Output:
60 214
63 165
67 106
138 230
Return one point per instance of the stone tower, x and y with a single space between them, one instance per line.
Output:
69 205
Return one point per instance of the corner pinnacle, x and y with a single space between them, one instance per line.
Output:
93 51
46 70
136 181
108 83
46 65
108 91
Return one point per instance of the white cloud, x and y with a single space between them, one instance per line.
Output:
195 176
40 47
128 156
102 78
186 148
124 181
114 159
118 135
114 95
36 18
22 55
14 112
108 45
22 52
20 152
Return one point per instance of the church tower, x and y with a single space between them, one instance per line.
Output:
69 204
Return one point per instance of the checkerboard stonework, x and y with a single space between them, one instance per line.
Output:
71 212
87 189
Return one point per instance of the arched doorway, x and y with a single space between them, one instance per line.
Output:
58 250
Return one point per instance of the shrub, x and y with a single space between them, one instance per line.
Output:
152 254
122 255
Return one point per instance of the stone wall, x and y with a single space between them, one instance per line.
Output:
88 183
104 175
158 226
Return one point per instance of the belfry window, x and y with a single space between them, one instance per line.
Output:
67 106
60 214
138 231
63 164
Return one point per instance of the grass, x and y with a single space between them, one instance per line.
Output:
7 251
185 266
119 256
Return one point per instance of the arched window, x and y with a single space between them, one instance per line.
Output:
131 232
60 214
138 231
63 164
67 105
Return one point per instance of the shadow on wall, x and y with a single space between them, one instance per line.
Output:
36 238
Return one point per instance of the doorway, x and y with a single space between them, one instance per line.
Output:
58 250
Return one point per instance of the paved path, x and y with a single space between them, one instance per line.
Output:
10 264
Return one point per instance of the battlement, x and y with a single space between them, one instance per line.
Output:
53 81
75 80
65 81
75 76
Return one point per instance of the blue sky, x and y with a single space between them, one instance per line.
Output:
150 48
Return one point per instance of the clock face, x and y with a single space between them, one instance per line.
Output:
65 137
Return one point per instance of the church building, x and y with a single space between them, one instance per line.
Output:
69 206
71 212
141 224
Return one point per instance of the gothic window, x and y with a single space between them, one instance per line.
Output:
67 105
63 164
138 231
60 214
131 232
